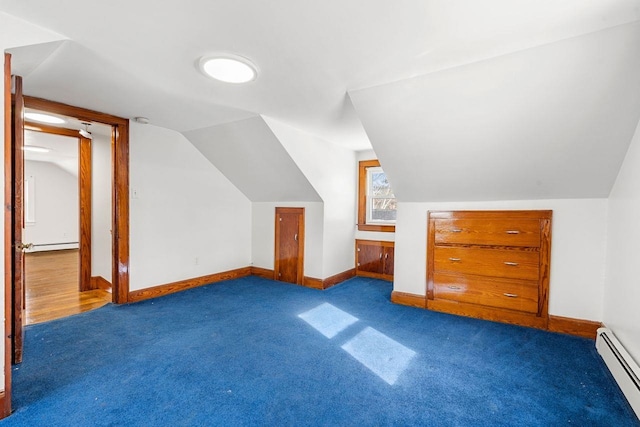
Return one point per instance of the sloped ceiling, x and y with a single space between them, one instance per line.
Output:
548 122
546 86
249 155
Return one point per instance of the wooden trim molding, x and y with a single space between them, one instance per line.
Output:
338 278
322 284
265 273
182 285
578 327
120 193
362 199
5 396
309 282
411 300
85 215
99 282
312 282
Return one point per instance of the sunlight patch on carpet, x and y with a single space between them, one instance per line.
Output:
328 319
384 356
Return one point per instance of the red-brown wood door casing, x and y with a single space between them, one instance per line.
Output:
18 218
289 245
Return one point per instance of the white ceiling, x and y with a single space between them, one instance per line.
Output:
63 150
139 59
549 122
496 76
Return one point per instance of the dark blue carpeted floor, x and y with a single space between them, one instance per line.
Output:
257 352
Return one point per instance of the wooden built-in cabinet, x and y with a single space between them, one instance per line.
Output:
374 259
492 265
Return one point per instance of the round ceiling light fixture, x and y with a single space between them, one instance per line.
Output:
44 118
228 68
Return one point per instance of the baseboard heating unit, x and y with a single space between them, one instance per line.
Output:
623 368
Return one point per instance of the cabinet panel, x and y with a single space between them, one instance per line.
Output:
504 232
369 258
387 268
374 259
487 291
488 262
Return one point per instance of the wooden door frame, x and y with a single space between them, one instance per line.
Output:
301 229
84 197
119 213
5 395
120 185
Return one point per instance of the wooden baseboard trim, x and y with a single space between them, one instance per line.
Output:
312 282
338 278
309 282
99 282
578 327
5 407
170 288
265 273
322 284
412 300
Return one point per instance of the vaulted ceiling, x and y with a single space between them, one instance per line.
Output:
461 100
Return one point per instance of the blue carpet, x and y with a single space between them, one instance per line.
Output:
256 352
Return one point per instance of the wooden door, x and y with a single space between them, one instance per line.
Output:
369 257
17 223
289 245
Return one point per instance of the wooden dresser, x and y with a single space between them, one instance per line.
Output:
492 265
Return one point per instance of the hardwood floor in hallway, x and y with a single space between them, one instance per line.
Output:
51 287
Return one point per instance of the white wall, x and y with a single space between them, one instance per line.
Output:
16 32
101 247
577 250
263 235
622 290
56 207
330 170
182 209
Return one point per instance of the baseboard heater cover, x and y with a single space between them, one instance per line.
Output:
621 365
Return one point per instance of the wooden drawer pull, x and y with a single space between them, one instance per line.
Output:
512 264
455 259
510 295
456 230
455 288
513 232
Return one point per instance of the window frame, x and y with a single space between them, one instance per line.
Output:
363 166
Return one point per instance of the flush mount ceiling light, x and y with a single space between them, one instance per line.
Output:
35 149
44 118
228 68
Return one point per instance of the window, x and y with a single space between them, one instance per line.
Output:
376 201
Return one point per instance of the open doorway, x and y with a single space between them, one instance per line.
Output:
67 212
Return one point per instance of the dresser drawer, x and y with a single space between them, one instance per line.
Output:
512 264
498 293
496 232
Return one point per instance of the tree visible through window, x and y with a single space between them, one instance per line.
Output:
376 201
381 202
